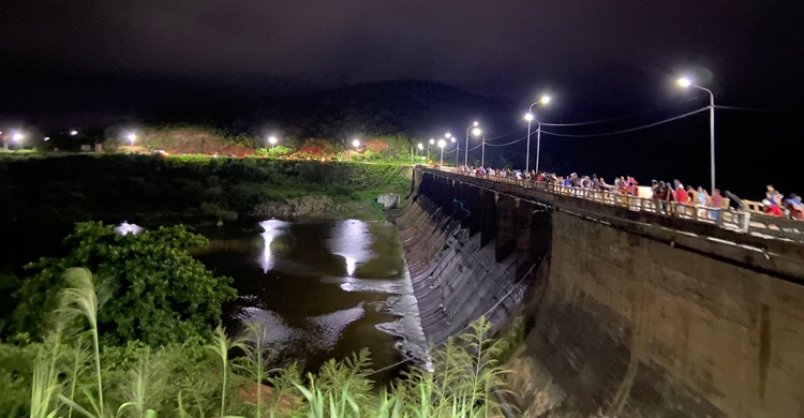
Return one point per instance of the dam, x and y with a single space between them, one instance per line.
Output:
627 313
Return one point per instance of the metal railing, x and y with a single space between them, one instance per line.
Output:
736 220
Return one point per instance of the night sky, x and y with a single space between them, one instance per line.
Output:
598 58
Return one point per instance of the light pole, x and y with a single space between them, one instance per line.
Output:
455 141
441 144
482 147
273 140
530 117
474 125
356 144
131 137
686 82
419 147
429 144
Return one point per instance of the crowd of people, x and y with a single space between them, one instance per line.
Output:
667 194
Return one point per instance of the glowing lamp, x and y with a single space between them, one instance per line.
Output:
684 82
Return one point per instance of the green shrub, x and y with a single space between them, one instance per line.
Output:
155 291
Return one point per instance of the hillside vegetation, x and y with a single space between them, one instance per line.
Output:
75 188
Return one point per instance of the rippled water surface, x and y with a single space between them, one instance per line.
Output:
322 290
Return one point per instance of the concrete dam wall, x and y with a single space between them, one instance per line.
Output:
626 315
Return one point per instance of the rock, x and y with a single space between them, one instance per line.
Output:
300 206
388 200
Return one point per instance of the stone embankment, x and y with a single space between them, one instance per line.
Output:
625 316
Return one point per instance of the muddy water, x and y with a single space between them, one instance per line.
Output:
321 289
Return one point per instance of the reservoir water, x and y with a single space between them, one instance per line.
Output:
321 289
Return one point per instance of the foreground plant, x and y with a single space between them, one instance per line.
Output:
73 376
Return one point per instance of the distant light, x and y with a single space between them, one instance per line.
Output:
47 138
545 99
477 132
448 135
17 137
475 123
356 143
126 228
684 82
432 141
452 139
420 146
529 117
272 140
73 132
442 143
131 137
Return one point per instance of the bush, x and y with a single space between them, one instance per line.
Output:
155 291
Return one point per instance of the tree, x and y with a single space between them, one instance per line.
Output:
154 290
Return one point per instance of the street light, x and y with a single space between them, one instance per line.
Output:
356 143
273 140
131 137
73 132
530 117
17 137
476 132
441 144
686 82
429 144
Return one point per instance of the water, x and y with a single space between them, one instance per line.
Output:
322 289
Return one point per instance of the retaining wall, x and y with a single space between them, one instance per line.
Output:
625 317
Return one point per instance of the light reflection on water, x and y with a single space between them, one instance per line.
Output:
322 290
271 230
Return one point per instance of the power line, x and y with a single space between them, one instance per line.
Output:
630 129
752 109
594 122
507 143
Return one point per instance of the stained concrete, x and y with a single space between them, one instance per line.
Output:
626 316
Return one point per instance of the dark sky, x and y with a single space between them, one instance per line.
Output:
610 51
598 58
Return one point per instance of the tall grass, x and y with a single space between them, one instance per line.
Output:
69 378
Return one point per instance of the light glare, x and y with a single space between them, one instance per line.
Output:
529 117
272 140
356 143
432 141
477 131
545 99
420 146
442 143
684 82
73 132
475 123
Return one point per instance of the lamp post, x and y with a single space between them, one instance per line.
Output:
530 117
356 144
441 144
429 144
474 126
273 140
131 137
686 82
419 147
455 141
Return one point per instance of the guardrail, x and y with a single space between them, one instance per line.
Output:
736 220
